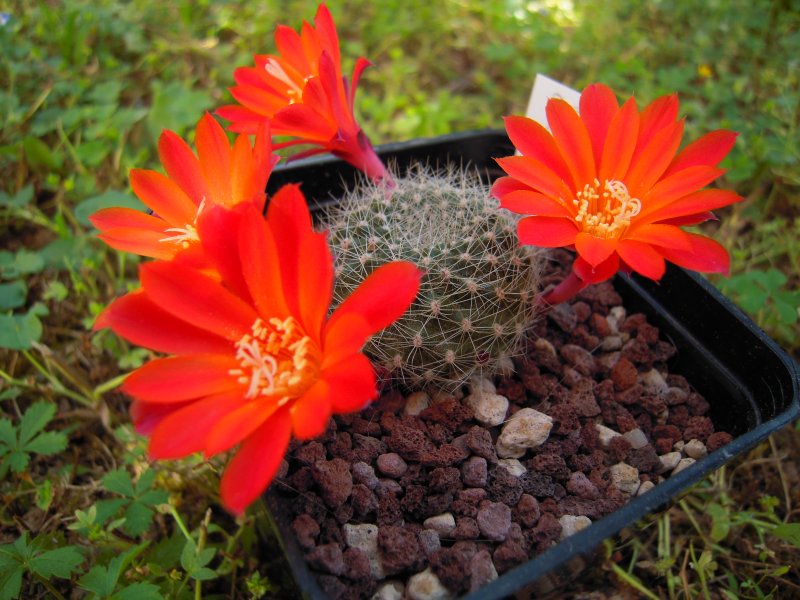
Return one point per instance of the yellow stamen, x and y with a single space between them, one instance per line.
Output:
606 211
187 234
274 68
276 359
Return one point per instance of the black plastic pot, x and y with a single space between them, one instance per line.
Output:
752 385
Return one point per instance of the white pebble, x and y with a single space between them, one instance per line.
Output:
544 345
605 434
416 403
678 446
654 380
669 461
442 524
426 586
695 449
479 385
611 343
390 590
683 464
490 409
625 478
527 428
645 487
513 466
570 524
364 536
636 438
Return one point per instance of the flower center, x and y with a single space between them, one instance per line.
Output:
186 235
606 211
293 91
277 359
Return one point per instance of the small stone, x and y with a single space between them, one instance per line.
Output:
684 463
481 385
364 474
474 472
426 586
527 510
327 558
443 524
365 537
717 440
481 570
388 486
356 565
527 428
306 530
466 529
416 403
479 441
654 381
399 549
494 521
334 480
636 438
580 485
611 343
624 374
392 465
616 316
513 466
645 487
678 446
563 314
625 478
605 434
570 524
695 449
389 590
490 409
580 358
429 541
669 461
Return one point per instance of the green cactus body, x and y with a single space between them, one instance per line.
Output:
476 297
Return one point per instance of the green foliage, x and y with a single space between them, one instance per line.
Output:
138 500
103 581
17 443
23 556
474 302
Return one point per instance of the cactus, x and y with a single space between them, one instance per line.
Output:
476 297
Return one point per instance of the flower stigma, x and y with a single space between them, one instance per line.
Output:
606 212
277 359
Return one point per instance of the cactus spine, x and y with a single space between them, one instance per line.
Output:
476 298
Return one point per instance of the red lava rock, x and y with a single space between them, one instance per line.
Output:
654 405
599 324
541 386
602 294
409 443
445 479
306 530
467 501
579 507
342 446
662 351
580 358
508 555
718 440
637 351
698 405
547 530
474 472
647 333
494 521
364 473
633 322
450 413
367 449
327 558
356 564
564 316
619 447
565 418
479 441
511 389
663 445
549 464
334 588
391 401
579 485
451 564
334 480
537 484
466 529
645 459
481 570
527 510
624 374
444 456
302 480
503 486
399 550
310 453
582 399
364 500
678 416
698 428
392 465
389 510
590 438
365 427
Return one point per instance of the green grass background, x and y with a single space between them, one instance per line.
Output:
86 88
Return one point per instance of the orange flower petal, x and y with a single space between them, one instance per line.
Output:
141 322
163 196
344 336
315 284
382 297
179 378
126 218
527 202
537 176
660 113
708 150
572 140
594 250
256 462
352 383
676 186
238 424
506 185
214 152
705 255
533 140
605 270
642 258
598 106
182 166
310 413
198 299
139 241
694 203
326 30
243 120
667 236
649 163
243 173
620 143
183 431
547 232
217 228
301 121
147 415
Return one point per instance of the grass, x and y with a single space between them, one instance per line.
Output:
85 89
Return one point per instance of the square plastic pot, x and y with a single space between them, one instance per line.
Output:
752 385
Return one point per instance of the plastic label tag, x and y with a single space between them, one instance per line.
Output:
545 88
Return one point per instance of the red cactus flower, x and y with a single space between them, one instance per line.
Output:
612 184
255 356
301 91
218 175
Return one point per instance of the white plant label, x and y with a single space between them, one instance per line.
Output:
545 88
